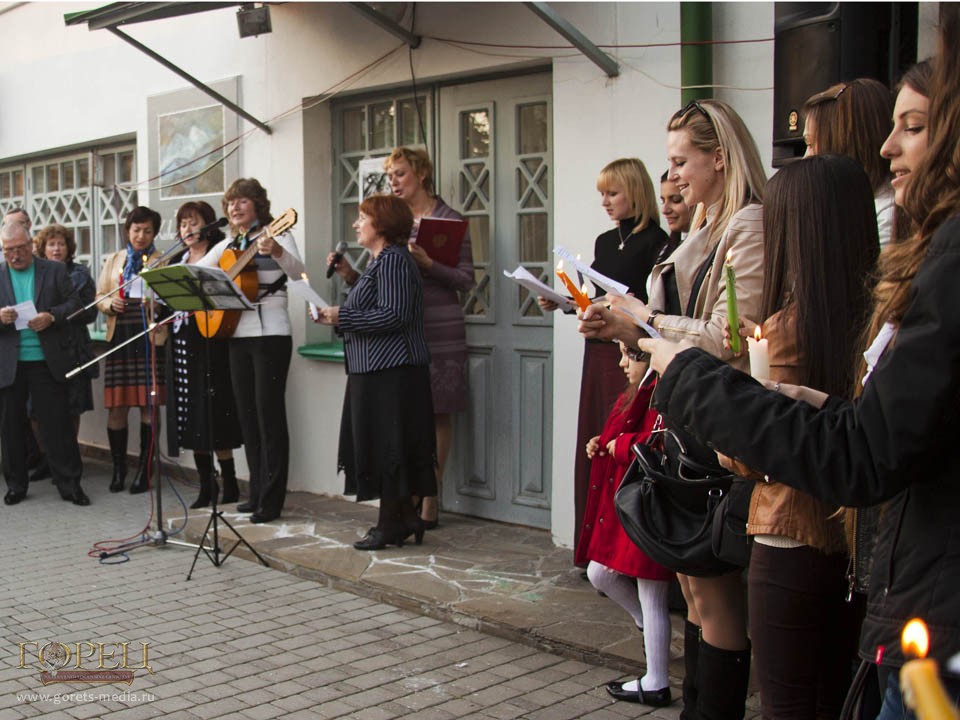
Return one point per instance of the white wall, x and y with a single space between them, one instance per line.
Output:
74 86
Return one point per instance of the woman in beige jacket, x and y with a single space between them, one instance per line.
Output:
715 164
130 377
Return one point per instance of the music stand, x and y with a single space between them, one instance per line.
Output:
196 288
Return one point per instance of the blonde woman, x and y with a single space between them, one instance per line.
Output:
626 253
715 164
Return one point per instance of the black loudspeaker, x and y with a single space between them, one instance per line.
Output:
819 44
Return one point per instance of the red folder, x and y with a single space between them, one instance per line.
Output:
442 238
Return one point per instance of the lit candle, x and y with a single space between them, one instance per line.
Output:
580 298
920 678
759 356
733 315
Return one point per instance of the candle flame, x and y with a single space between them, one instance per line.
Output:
915 639
757 334
303 276
583 289
560 266
729 258
578 257
144 258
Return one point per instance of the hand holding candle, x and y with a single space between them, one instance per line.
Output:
733 314
759 355
583 302
919 679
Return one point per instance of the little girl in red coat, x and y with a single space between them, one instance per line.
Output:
617 567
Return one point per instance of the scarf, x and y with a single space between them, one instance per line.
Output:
134 263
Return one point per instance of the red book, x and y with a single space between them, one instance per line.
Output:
442 238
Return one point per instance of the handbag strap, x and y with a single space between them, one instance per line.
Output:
698 281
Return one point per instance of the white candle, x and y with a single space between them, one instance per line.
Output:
759 356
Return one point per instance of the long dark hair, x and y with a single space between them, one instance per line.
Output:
933 194
820 251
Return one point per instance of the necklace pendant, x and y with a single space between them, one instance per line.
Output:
620 246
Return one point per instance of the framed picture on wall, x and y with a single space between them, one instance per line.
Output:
190 144
193 149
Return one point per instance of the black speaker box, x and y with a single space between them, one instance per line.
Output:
819 44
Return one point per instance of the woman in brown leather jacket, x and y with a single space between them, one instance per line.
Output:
820 249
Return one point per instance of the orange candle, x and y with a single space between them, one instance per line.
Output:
583 302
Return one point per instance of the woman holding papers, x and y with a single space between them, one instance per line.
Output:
626 254
387 444
261 346
715 164
200 370
410 172
130 378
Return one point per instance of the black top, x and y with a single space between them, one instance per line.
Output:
631 265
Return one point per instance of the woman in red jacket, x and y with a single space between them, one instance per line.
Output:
617 567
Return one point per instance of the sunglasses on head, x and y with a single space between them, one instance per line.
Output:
689 107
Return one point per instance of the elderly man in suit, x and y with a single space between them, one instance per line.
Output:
33 362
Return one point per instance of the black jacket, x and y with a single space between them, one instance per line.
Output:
898 443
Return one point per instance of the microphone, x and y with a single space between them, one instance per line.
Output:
337 257
222 222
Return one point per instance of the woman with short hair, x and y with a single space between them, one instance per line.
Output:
130 376
387 444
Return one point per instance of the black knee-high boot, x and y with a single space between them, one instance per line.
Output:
118 452
141 483
208 481
722 679
231 492
691 655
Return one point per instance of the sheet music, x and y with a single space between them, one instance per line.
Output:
522 276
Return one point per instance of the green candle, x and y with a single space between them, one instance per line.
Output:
733 317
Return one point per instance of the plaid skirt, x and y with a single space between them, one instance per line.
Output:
130 375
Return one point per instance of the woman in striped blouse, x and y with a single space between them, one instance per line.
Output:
387 443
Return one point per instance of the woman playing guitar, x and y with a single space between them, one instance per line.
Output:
261 345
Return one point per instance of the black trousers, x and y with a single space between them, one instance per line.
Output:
50 409
803 632
259 368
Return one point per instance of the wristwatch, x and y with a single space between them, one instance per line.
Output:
651 316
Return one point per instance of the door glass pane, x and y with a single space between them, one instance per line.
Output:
5 185
348 216
474 134
409 123
532 128
18 182
82 236
480 238
354 128
66 175
533 237
125 169
381 126
83 172
109 171
38 184
53 178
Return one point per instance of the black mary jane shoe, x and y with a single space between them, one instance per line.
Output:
377 539
654 698
13 497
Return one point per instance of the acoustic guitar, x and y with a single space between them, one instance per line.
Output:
221 324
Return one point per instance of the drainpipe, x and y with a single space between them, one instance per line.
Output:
696 61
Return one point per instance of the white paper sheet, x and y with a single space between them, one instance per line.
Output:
522 276
608 285
303 290
26 311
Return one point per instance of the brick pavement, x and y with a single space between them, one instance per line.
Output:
244 641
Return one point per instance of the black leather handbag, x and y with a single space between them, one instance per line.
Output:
667 504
